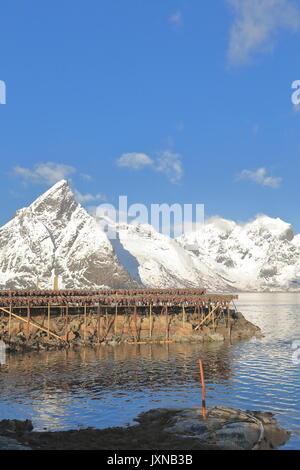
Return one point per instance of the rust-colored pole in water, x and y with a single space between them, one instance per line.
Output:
203 389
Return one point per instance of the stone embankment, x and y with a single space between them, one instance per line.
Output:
92 330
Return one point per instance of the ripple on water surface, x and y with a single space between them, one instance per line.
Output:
111 385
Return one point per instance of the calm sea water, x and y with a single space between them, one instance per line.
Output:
110 385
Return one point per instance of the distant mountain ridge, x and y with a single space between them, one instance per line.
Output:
257 256
55 235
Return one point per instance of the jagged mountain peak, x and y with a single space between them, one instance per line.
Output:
55 235
56 202
57 191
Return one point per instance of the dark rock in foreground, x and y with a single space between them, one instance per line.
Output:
224 428
162 429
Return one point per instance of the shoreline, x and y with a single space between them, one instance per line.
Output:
162 428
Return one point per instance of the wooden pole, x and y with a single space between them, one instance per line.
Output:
203 390
135 323
183 316
28 321
229 322
67 321
167 323
24 320
99 325
55 283
116 319
84 331
150 321
9 321
106 320
48 327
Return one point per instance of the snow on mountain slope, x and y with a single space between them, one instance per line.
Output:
56 236
260 255
156 260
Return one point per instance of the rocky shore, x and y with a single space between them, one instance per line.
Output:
85 332
163 428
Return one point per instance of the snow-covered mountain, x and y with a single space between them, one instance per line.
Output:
56 236
156 260
260 255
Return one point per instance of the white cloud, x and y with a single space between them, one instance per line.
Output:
44 173
166 162
255 25
176 17
134 160
170 164
82 198
260 176
50 173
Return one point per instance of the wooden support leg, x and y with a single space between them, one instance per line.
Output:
28 322
229 322
150 321
67 323
48 323
135 323
85 323
116 319
9 322
106 320
167 323
98 325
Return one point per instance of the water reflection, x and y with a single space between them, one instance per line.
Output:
111 385
97 371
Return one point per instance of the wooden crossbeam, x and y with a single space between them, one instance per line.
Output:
31 322
207 316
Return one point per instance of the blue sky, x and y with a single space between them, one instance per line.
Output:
162 100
